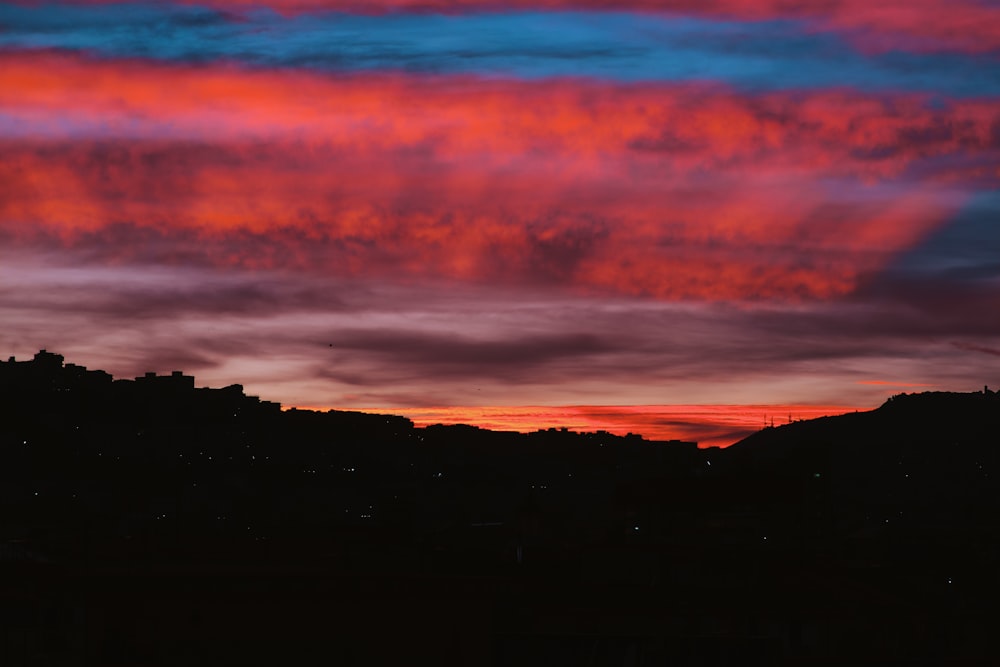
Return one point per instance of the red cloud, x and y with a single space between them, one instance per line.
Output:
672 191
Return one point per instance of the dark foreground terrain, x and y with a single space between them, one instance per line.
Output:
148 522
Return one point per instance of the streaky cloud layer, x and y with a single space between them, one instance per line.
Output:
928 25
623 46
672 191
311 341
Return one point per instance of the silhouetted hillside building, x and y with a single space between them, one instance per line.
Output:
175 382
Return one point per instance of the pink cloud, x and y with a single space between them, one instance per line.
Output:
671 191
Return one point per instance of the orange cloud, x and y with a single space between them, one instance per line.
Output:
673 191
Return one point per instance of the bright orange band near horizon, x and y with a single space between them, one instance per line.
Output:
708 425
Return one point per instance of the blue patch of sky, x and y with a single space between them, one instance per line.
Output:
765 55
967 249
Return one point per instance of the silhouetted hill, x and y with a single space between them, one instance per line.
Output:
149 521
937 451
925 419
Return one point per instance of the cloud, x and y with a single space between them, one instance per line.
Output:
363 344
671 191
720 239
618 45
177 358
978 348
463 355
127 295
931 25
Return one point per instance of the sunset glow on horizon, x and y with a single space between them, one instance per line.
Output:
695 212
707 425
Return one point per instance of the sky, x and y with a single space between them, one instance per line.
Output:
679 218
